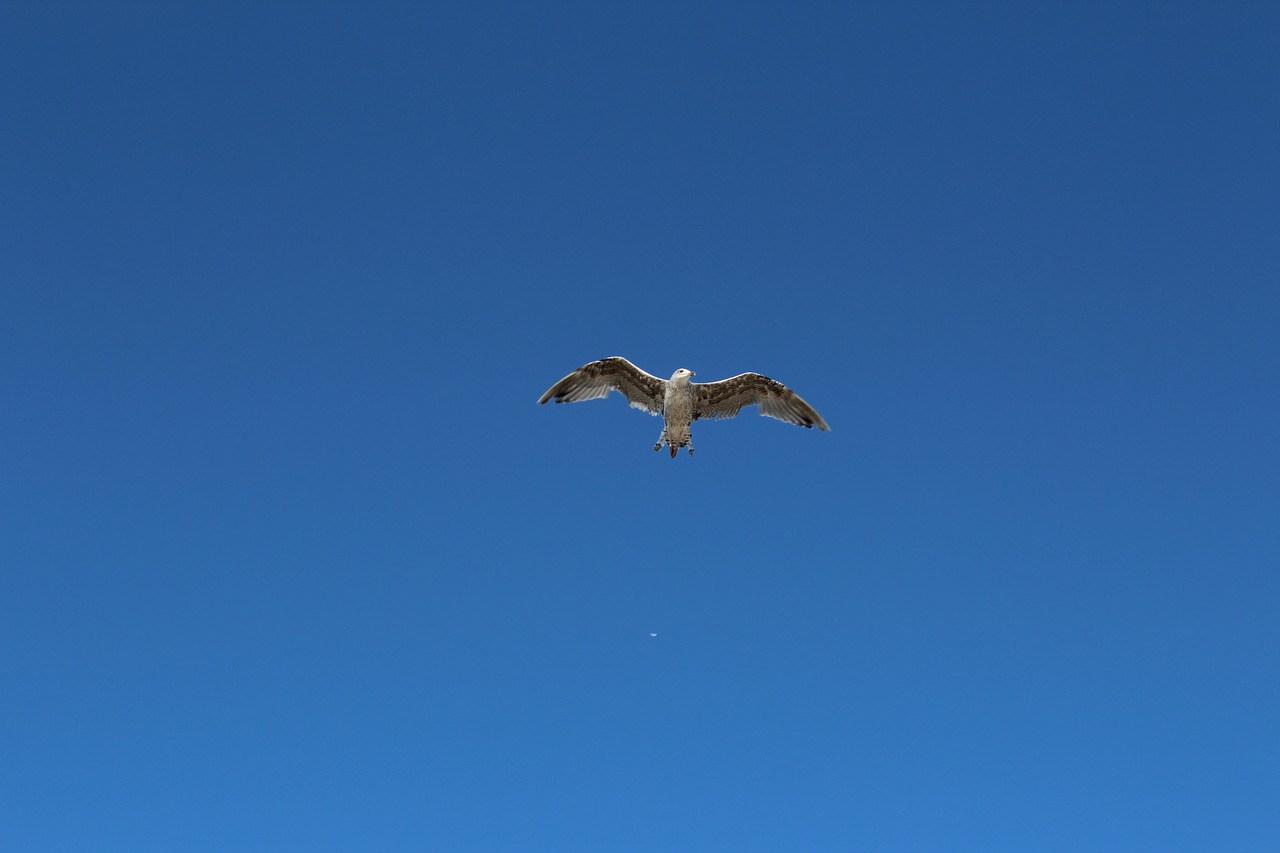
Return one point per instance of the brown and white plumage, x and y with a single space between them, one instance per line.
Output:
724 399
595 380
680 401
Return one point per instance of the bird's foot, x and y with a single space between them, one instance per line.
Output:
657 447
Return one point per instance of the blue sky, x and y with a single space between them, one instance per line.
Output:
291 560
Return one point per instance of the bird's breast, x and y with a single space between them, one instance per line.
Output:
677 404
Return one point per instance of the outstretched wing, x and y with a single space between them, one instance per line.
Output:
597 379
726 398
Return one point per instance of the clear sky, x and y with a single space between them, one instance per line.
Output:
290 559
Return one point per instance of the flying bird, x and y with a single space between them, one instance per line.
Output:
681 402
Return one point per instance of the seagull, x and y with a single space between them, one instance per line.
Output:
681 402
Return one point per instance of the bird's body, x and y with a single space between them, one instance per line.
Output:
681 401
677 413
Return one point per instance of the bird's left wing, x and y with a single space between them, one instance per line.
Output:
724 399
597 379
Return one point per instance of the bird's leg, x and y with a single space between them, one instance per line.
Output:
657 445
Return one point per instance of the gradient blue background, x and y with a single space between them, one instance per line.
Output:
292 560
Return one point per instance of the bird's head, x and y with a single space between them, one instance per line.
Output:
682 375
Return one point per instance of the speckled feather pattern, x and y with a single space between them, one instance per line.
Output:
681 402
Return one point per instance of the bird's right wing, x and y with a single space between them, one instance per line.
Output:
597 379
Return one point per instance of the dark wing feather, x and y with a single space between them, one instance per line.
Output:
726 398
597 379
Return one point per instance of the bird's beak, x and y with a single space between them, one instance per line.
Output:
691 373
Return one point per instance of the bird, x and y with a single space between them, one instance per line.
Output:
681 401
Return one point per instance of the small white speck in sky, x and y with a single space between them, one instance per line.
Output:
651 634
